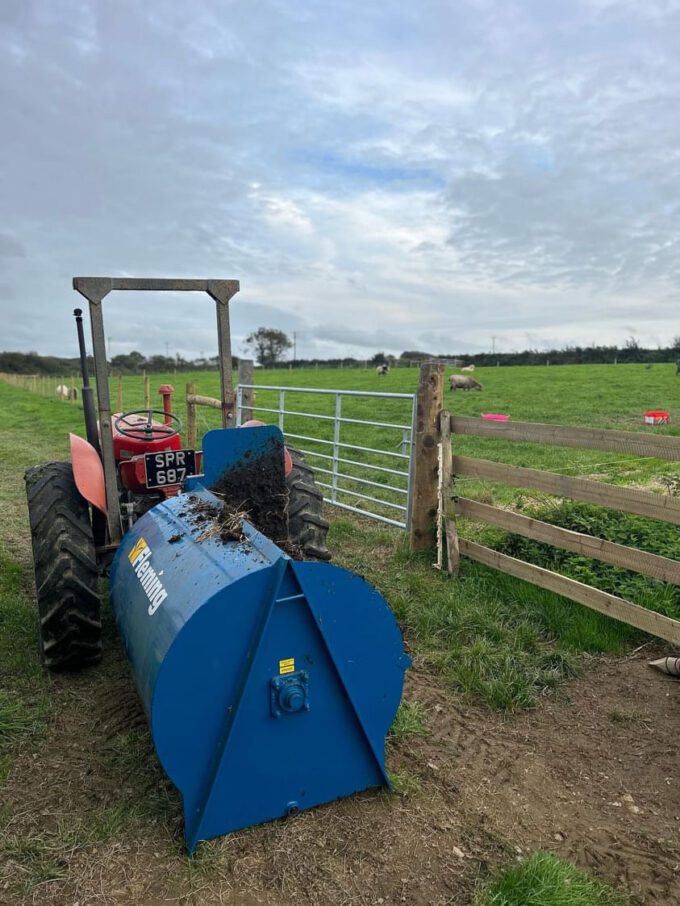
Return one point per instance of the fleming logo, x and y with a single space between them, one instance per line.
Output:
148 577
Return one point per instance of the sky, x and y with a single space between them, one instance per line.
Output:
442 176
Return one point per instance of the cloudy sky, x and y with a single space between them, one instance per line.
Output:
377 175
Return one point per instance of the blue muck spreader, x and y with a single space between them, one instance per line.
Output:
269 676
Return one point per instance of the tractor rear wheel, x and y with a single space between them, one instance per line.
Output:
307 529
66 571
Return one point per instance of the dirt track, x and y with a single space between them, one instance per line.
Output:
592 775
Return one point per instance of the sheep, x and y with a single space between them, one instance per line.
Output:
468 368
382 369
463 382
66 393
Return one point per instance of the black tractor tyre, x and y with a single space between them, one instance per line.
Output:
66 571
307 529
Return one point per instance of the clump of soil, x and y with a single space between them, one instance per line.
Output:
257 488
255 492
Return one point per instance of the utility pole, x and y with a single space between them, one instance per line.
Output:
493 345
294 346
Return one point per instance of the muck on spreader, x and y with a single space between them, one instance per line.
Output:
269 676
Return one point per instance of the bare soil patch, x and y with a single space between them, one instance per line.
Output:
591 775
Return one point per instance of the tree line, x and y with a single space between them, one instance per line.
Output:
269 346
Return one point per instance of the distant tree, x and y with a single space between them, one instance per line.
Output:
379 359
632 351
132 361
414 355
160 363
268 345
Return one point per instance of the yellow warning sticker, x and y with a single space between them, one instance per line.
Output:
287 666
136 549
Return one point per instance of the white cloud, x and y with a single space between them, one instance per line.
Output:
374 175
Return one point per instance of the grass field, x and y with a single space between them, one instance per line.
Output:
492 639
603 396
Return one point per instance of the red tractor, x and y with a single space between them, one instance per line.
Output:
131 461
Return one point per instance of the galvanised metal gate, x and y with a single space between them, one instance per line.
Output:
362 464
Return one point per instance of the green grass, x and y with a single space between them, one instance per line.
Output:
545 880
621 715
493 637
24 701
622 528
592 395
490 635
404 784
410 721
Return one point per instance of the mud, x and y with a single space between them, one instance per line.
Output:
258 487
590 774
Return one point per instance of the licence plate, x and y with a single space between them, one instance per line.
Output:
170 467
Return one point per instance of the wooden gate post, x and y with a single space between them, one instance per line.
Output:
245 376
424 463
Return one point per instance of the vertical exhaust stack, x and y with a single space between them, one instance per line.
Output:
87 394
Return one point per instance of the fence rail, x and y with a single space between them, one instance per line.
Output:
627 499
630 500
629 442
662 568
610 605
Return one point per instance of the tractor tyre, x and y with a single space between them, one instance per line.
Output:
307 529
66 571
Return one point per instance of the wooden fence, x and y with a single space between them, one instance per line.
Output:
42 384
245 376
631 500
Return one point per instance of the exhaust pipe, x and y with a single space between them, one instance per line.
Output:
88 395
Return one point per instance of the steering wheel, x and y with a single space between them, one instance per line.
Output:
147 431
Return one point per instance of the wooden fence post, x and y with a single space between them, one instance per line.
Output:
245 376
120 392
424 463
146 391
191 416
446 506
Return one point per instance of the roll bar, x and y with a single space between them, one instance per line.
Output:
95 289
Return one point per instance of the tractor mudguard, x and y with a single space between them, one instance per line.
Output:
88 472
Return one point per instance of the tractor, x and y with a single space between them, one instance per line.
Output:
269 677
130 462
